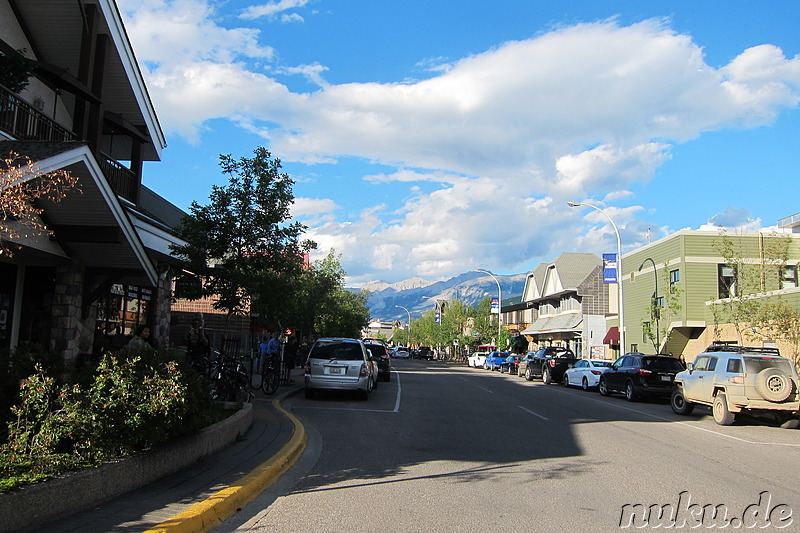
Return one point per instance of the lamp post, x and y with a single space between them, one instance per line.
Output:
619 273
409 324
654 312
499 304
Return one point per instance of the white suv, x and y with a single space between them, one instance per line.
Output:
739 379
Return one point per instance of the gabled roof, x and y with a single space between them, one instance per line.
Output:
568 271
92 224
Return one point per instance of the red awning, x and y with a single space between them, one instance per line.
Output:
612 337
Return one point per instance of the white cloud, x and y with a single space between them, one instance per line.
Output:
303 207
271 9
586 111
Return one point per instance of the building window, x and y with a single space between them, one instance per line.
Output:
726 281
789 277
674 277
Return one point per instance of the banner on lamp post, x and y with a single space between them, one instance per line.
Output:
609 268
495 306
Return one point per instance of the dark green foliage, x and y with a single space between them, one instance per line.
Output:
15 70
130 402
241 244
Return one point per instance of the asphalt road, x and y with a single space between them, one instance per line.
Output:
450 448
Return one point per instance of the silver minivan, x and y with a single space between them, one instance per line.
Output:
339 364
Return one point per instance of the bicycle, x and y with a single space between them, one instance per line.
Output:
229 380
271 374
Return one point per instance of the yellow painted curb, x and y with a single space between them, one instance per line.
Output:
203 516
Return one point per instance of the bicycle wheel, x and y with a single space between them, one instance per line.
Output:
270 379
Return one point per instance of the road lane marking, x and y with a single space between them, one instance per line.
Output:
531 412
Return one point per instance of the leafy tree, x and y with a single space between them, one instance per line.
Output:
15 70
345 314
22 186
241 244
757 267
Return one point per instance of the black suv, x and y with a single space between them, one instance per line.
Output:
382 358
637 374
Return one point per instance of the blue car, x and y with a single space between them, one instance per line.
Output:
494 360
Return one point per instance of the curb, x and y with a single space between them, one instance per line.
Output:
203 516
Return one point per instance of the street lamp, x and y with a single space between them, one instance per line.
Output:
619 273
499 304
654 312
409 324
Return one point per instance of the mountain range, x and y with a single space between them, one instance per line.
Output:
419 295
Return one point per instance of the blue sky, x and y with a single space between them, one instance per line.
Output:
429 138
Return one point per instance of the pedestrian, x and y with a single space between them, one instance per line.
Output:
196 340
262 353
274 349
289 358
141 340
682 359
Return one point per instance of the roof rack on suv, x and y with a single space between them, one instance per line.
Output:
742 349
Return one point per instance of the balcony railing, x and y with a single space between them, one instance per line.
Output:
122 180
24 122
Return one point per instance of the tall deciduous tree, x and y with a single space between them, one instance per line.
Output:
241 244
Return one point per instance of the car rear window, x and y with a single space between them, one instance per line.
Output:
754 365
342 351
377 349
601 363
662 363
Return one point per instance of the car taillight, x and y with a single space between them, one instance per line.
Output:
308 369
363 372
739 380
644 372
596 372
552 362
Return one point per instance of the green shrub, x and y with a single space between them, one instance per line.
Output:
130 402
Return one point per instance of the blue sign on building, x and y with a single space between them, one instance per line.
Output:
609 268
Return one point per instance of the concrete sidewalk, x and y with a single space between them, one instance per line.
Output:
200 497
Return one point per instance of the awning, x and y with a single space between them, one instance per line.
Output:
612 337
564 323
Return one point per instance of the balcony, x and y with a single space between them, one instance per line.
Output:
26 123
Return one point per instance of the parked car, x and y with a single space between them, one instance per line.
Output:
740 379
477 359
381 355
637 374
401 353
548 363
494 360
510 364
423 352
585 373
339 364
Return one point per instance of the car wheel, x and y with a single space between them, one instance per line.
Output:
309 394
722 415
602 388
547 379
375 384
679 404
774 385
585 383
630 392
528 374
485 366
565 381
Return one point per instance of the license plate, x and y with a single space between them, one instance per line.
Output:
666 378
335 370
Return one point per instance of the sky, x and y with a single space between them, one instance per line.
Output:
428 138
